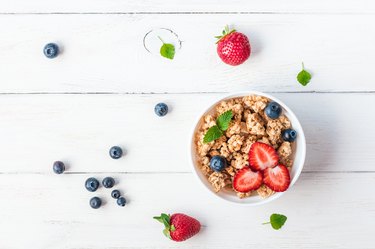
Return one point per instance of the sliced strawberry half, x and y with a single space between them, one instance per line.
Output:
262 156
246 180
277 178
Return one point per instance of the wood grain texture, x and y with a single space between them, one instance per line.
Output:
181 6
100 92
79 129
52 211
104 53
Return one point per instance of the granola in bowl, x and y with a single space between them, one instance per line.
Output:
244 148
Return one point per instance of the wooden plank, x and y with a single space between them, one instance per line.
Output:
100 6
48 211
105 53
36 130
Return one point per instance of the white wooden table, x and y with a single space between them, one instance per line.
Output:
101 92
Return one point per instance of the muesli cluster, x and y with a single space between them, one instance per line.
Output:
250 154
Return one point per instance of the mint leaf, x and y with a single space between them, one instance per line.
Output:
303 77
277 221
222 124
167 51
224 119
212 134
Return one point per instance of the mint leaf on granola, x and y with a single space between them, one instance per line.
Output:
212 134
277 221
224 119
303 77
222 124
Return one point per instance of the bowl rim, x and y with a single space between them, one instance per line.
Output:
301 134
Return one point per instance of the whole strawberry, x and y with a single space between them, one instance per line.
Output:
233 47
179 227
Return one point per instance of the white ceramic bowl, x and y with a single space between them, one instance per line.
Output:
299 150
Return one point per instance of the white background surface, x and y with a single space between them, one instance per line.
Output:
101 92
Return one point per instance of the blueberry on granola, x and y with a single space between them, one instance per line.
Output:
218 163
273 110
289 135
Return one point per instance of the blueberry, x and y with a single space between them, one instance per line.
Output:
161 109
289 135
115 194
115 152
121 201
108 182
218 163
95 202
58 167
51 50
92 184
273 110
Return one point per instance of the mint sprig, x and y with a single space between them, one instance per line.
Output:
277 221
222 124
212 134
303 77
167 50
224 119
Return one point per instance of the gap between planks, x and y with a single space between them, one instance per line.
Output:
176 172
191 13
182 93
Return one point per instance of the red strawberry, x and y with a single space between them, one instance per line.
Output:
233 47
246 180
277 178
262 156
179 227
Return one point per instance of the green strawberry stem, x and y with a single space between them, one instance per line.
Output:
225 32
265 223
303 66
165 219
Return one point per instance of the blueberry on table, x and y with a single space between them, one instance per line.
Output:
58 167
95 202
218 163
116 194
115 152
289 135
121 201
92 184
273 110
161 109
108 182
51 50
